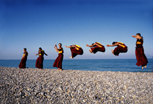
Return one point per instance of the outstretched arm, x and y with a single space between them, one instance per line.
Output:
69 46
37 54
137 36
45 54
109 45
133 36
113 45
90 45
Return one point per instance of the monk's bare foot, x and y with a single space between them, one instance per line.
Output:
142 67
60 70
71 57
112 51
90 51
145 66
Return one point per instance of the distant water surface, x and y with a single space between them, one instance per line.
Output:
127 65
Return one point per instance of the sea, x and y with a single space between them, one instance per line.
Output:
123 65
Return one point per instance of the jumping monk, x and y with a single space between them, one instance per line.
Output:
75 50
121 48
40 59
59 59
24 59
139 52
96 47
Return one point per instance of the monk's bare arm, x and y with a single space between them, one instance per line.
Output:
137 37
133 36
56 48
69 46
90 45
113 45
36 54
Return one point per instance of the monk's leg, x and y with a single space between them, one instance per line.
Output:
116 51
60 62
112 51
90 50
73 54
144 66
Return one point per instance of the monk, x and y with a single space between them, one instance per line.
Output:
40 59
121 48
139 52
75 50
95 47
24 59
59 59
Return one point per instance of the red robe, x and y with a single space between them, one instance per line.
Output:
59 60
139 52
23 61
76 52
98 47
120 49
39 62
40 59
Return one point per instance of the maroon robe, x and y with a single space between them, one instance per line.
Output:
40 59
59 59
23 61
39 62
76 52
139 52
97 48
120 49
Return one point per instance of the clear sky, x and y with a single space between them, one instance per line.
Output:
43 23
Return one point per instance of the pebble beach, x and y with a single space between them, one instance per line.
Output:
50 86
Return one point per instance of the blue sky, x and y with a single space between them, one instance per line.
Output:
43 23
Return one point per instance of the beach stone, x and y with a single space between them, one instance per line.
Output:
47 86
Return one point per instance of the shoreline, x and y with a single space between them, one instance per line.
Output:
42 86
81 70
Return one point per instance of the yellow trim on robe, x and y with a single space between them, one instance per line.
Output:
77 47
99 44
138 42
121 44
60 51
40 53
23 55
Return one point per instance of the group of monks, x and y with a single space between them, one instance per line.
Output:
95 47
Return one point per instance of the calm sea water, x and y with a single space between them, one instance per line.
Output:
128 65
